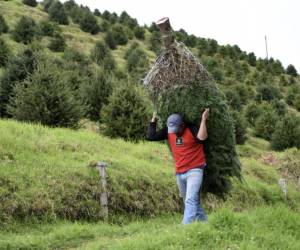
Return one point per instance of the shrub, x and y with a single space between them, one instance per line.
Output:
110 40
153 27
57 43
97 13
291 70
99 52
17 70
267 92
25 30
57 13
251 58
69 5
233 99
155 42
139 32
280 106
212 47
96 92
89 23
32 3
109 63
126 115
119 34
47 4
296 102
240 127
3 25
76 13
287 132
128 20
45 98
47 28
137 60
251 113
105 26
102 56
72 55
5 53
265 123
292 94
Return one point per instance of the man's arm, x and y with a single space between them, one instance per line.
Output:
154 135
202 133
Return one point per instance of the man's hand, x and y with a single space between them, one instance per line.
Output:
154 117
205 114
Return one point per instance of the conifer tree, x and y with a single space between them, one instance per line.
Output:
5 53
32 3
287 132
45 98
95 92
89 23
126 114
25 30
16 71
3 25
291 70
57 13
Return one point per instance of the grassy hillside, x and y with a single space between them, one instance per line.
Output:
47 176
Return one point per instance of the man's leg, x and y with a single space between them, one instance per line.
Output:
193 184
181 183
201 215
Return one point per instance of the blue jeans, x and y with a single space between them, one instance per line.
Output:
189 184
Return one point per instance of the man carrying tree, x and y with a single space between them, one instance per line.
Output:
186 145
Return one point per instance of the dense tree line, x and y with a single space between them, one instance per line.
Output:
260 92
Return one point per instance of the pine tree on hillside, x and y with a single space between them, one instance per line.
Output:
45 98
137 61
239 127
155 42
47 28
119 34
5 53
139 33
89 23
25 30
96 92
31 3
57 43
287 132
265 124
3 25
97 13
291 70
16 71
57 13
47 3
126 114
99 52
110 40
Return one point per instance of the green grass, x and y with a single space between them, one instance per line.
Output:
36 162
262 228
49 174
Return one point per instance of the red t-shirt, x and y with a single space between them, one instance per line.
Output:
187 153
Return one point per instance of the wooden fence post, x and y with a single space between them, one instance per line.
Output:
283 187
101 166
